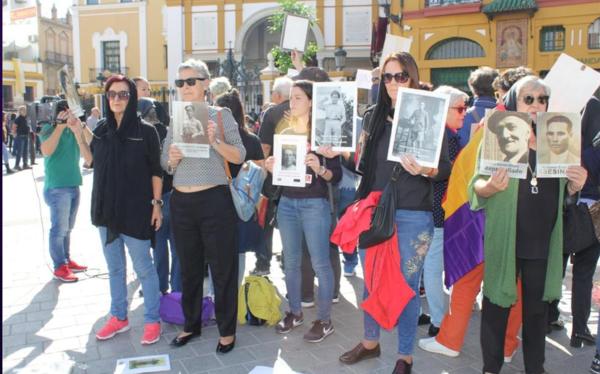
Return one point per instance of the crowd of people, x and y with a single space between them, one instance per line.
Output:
175 214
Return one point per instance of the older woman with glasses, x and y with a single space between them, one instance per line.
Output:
126 202
203 217
523 238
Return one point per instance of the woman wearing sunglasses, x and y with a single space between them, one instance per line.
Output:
126 202
414 219
523 238
202 214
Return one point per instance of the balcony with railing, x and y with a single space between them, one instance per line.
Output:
436 3
58 58
102 74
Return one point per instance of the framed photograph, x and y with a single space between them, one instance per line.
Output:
189 128
68 88
294 33
511 43
144 364
289 153
334 115
558 143
506 144
418 126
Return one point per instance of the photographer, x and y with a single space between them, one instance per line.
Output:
61 147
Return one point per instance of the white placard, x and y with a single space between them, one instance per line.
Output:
67 86
334 116
354 34
558 143
190 121
394 43
294 33
289 154
143 364
572 84
204 31
292 72
363 79
418 126
506 144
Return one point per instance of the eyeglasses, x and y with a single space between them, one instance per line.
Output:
122 95
401 77
540 99
190 81
459 109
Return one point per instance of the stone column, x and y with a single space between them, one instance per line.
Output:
267 76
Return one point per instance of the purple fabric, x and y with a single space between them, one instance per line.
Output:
171 311
463 243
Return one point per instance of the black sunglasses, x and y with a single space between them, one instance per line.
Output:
122 95
399 77
540 99
190 81
459 109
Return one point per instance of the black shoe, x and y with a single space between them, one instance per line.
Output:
17 168
433 331
402 367
183 340
9 171
578 340
26 167
424 319
225 348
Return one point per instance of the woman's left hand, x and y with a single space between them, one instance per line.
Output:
156 220
411 165
211 131
312 161
576 175
327 151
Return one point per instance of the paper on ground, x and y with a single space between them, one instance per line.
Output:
143 364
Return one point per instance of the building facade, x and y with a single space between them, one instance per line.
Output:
453 37
56 48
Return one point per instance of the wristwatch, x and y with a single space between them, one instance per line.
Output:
322 170
158 202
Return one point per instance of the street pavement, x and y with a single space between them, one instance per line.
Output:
49 327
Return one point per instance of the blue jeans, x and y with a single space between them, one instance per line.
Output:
415 230
432 277
347 196
305 217
160 252
139 251
63 203
5 156
21 142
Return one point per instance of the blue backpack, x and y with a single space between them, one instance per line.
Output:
245 189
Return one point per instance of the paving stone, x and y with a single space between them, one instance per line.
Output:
201 363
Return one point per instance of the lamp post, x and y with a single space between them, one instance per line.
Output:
340 58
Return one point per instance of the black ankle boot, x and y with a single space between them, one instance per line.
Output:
402 367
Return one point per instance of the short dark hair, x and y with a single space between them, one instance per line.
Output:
335 92
510 76
560 119
481 81
313 73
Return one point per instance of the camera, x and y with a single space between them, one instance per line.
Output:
59 106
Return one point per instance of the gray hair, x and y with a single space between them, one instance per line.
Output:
198 65
454 93
219 86
531 82
283 86
481 81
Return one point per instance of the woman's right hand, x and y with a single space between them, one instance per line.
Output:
497 182
175 155
269 163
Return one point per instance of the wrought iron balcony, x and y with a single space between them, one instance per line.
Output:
58 58
436 3
102 74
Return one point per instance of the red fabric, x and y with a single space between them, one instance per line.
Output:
388 291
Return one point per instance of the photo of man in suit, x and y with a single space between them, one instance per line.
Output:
558 148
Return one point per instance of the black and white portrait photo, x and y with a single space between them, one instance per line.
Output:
558 143
506 143
189 128
334 115
288 157
68 88
418 126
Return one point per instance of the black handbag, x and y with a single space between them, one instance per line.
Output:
578 226
383 219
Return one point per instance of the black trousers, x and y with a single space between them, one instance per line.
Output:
308 274
203 226
584 267
494 319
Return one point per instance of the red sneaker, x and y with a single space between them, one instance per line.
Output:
63 273
112 328
75 267
151 333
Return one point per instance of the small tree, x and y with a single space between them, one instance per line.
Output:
283 60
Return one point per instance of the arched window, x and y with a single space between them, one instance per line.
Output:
454 48
63 44
50 40
594 35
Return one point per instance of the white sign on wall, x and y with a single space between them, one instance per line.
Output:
204 31
357 26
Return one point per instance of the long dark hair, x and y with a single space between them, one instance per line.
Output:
130 114
231 99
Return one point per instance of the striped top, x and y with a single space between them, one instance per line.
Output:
205 171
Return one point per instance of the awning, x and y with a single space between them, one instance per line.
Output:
507 6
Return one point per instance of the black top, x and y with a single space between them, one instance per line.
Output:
439 188
253 151
124 164
167 178
536 215
414 192
22 127
318 186
271 118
